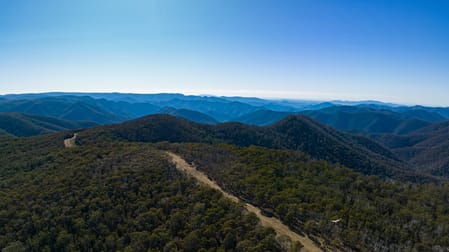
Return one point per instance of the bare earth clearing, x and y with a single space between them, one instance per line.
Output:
274 223
70 142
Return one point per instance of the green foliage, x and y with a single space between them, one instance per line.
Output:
113 197
294 132
307 194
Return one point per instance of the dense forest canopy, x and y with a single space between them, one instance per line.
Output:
308 194
294 132
113 196
117 190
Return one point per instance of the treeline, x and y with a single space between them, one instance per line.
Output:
294 133
114 197
348 209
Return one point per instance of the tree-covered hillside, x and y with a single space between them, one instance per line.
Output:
113 197
426 149
349 210
114 192
294 132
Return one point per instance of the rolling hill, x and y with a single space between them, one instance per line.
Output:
263 117
107 108
294 132
79 108
426 149
368 120
23 125
190 115
117 190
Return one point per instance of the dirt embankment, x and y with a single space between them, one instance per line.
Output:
272 222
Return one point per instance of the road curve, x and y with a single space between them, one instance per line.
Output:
276 224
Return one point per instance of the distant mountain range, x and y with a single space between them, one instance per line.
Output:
23 125
350 176
106 108
413 137
369 120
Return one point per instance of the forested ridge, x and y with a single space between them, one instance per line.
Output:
374 215
294 132
113 197
427 149
117 191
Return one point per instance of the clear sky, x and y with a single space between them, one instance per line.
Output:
389 50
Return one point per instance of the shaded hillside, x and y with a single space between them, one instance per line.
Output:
263 117
79 108
367 120
294 132
427 149
323 142
113 197
190 115
22 125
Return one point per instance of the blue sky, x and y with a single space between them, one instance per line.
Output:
395 51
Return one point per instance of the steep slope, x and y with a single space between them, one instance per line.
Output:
22 125
294 132
263 117
190 115
367 120
322 142
427 149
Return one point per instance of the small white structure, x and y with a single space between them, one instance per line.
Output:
336 221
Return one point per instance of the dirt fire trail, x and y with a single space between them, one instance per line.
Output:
276 224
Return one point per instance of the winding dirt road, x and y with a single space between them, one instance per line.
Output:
70 142
274 223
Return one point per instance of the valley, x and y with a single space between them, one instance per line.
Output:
159 181
224 126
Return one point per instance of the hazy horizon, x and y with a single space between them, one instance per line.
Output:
389 51
366 101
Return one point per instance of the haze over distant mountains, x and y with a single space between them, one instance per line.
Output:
105 108
402 130
381 170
